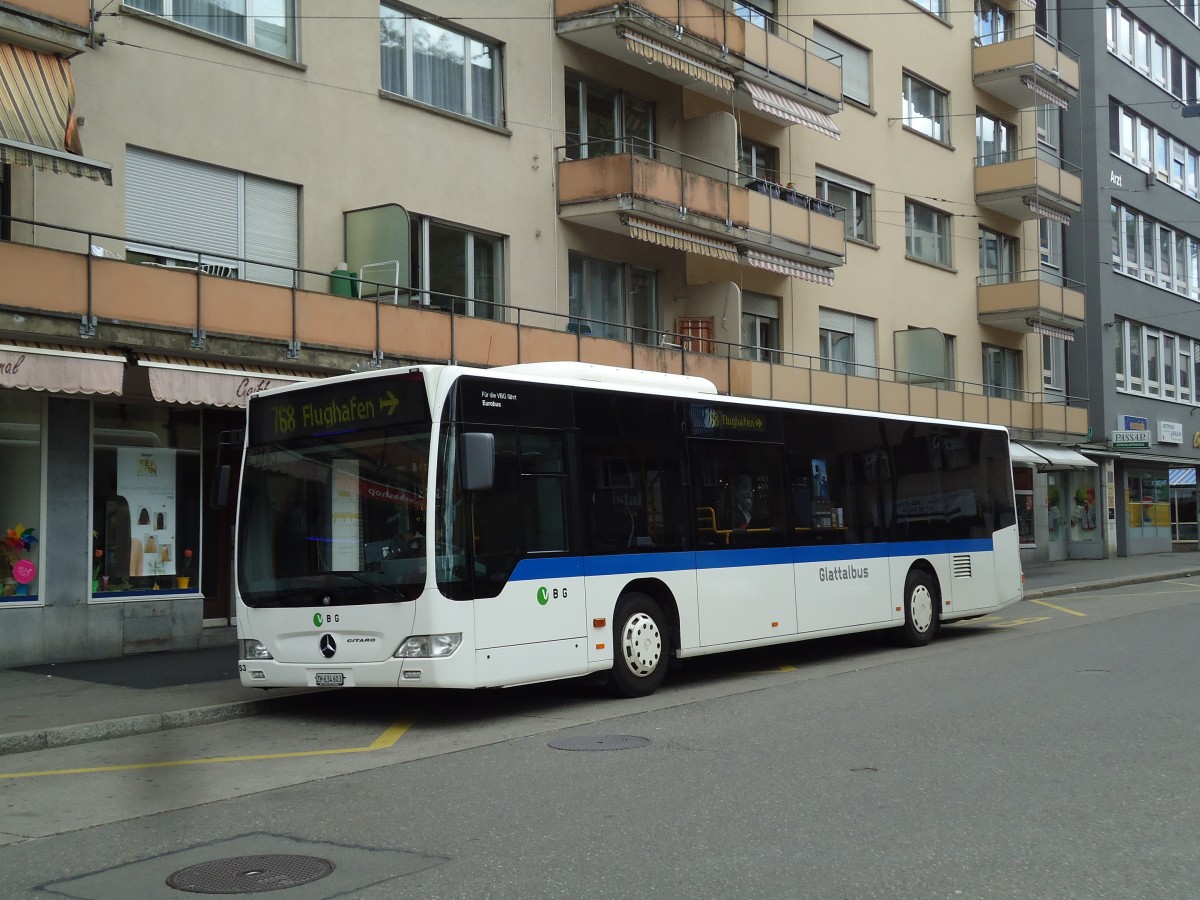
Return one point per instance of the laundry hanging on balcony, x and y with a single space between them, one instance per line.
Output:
37 115
788 110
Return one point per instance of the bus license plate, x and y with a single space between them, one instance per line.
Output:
329 679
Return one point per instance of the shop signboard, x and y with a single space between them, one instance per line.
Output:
1170 432
1131 440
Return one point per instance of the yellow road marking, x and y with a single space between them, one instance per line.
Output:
1061 609
1026 621
385 740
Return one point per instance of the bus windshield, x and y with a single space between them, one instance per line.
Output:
334 518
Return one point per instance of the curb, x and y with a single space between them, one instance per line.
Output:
69 735
1060 590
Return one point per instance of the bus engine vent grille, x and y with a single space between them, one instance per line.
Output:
962 566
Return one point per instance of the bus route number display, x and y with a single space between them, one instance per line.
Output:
349 407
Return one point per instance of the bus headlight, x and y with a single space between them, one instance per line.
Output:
254 650
428 646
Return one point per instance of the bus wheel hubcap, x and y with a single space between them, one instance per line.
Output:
922 608
641 643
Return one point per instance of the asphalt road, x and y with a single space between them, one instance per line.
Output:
1049 752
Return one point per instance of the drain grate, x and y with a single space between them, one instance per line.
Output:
250 874
600 742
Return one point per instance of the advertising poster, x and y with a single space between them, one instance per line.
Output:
146 479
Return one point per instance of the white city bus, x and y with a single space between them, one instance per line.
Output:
438 526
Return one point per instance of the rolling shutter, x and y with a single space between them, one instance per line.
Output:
271 235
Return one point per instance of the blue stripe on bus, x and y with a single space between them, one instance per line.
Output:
545 568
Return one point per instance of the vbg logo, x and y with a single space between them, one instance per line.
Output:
545 594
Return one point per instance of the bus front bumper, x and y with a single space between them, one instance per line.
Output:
451 672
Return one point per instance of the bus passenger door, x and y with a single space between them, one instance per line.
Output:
529 611
744 583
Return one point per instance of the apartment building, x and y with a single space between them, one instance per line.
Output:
860 204
1138 252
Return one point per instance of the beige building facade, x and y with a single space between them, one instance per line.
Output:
857 208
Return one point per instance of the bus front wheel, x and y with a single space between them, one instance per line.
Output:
920 609
641 647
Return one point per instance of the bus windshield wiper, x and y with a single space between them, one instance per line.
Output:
387 588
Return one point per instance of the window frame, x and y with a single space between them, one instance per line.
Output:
472 109
859 213
581 308
855 58
468 304
165 11
941 236
913 87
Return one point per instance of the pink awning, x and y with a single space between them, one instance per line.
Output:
204 383
59 369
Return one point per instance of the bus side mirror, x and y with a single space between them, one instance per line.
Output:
478 460
218 497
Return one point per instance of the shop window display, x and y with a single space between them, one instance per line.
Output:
146 500
1023 485
20 495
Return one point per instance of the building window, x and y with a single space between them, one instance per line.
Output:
999 256
613 300
1002 372
937 7
856 65
240 226
855 199
925 109
696 334
1054 368
266 25
1050 245
760 327
146 498
20 490
927 234
995 140
1156 253
440 66
601 121
847 343
1046 17
761 13
458 270
758 162
993 23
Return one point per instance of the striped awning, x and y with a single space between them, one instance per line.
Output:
789 267
1055 331
1045 212
785 109
199 382
59 369
37 115
680 62
1042 91
678 239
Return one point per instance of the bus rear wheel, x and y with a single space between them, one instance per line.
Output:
641 647
921 603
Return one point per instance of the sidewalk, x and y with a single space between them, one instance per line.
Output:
73 703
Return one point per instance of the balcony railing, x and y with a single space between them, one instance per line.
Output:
49 26
682 192
1028 184
1027 301
706 47
191 312
1025 68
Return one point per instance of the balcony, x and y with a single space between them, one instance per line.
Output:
682 202
1029 302
60 27
103 305
1026 68
706 48
1027 185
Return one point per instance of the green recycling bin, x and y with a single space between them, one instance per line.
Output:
343 283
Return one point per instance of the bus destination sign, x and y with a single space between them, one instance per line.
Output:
354 405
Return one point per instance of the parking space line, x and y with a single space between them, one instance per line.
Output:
1028 620
389 737
1061 609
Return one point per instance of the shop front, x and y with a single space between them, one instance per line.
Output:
109 546
1057 511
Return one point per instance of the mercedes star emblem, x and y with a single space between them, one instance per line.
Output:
328 646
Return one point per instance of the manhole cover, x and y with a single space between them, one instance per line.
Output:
250 874
600 742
